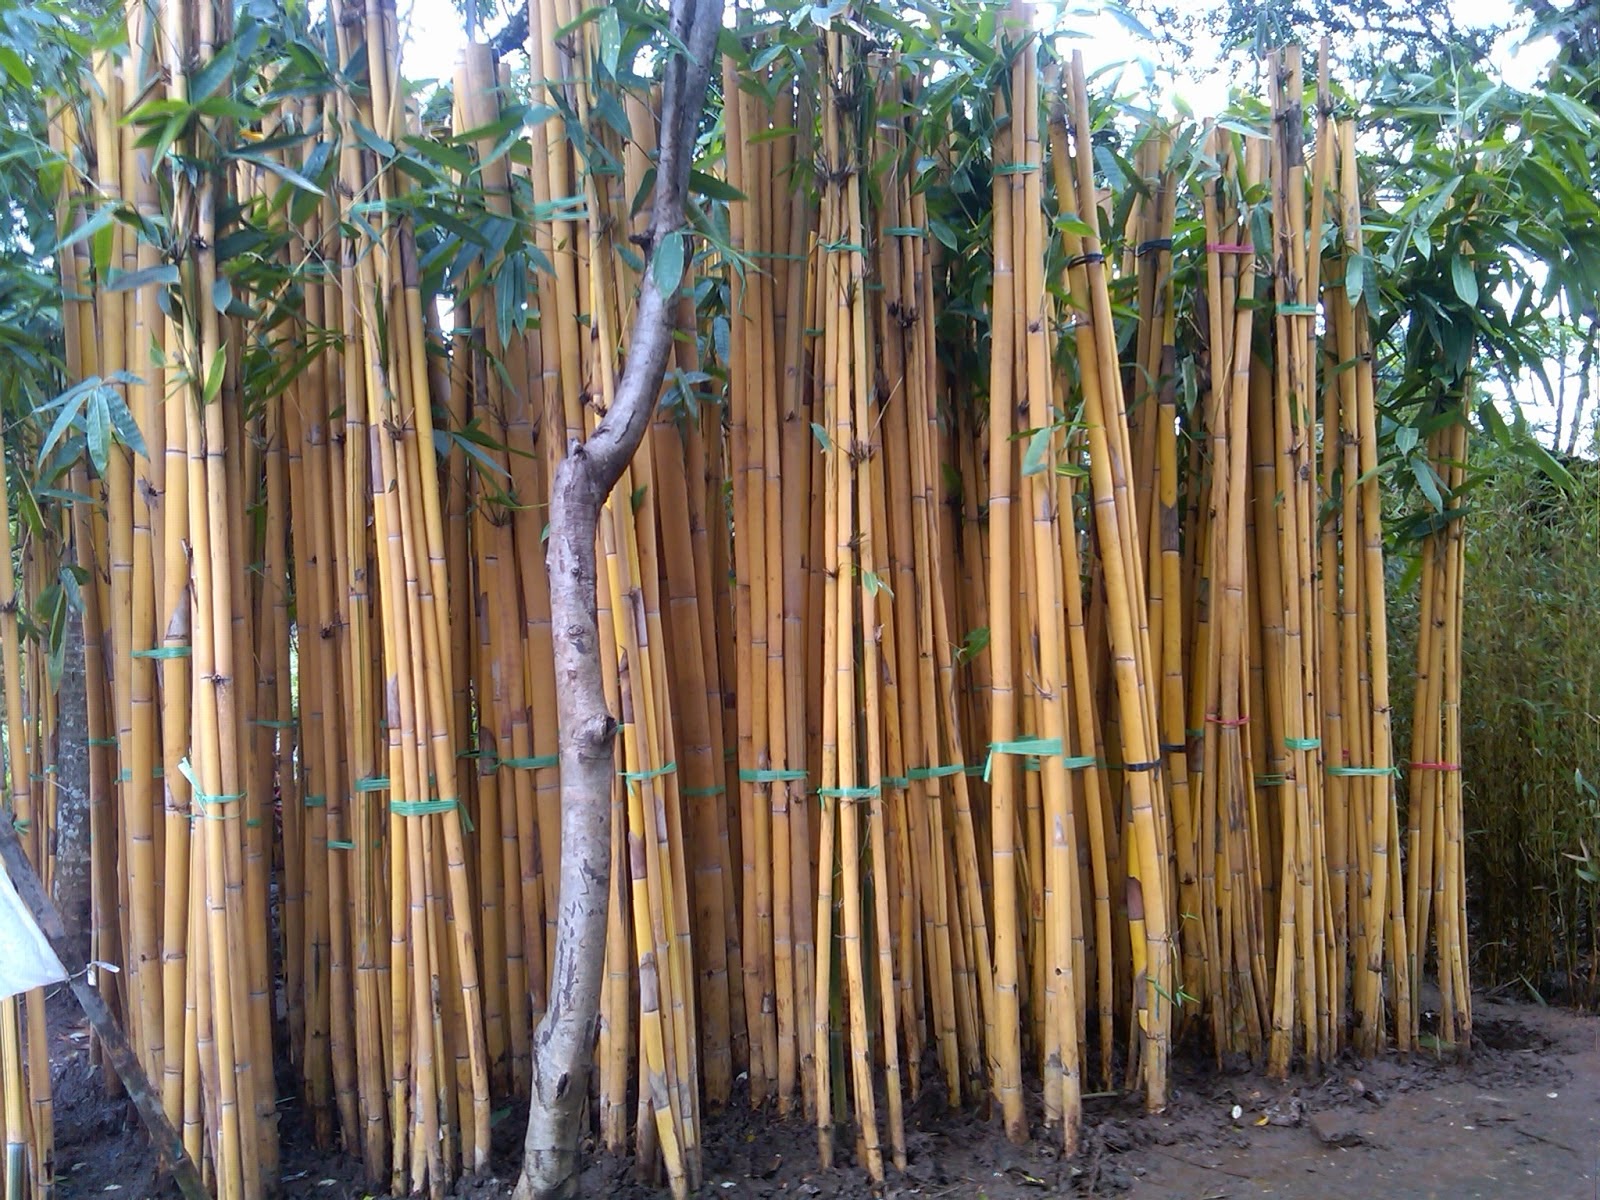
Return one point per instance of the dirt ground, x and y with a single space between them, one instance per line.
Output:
1520 1120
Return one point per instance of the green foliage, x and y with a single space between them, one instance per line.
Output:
1530 719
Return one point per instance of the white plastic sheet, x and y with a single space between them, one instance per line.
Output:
26 960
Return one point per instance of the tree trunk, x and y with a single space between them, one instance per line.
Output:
563 1045
72 885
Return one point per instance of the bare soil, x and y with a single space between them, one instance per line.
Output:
1518 1120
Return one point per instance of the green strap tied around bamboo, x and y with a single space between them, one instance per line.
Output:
253 823
1037 747
1302 743
1297 310
108 743
1015 168
917 773
21 824
428 808
701 792
1271 780
341 845
536 763
849 793
906 231
776 775
204 799
162 652
126 774
1347 771
652 773
266 724
974 770
423 808
372 783
316 800
897 781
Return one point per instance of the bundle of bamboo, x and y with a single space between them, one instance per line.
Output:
973 724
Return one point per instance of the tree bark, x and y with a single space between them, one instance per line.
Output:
563 1045
72 881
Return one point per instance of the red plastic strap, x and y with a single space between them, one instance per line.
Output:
1229 248
1435 766
1225 723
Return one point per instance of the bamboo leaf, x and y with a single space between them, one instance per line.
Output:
666 265
127 429
713 188
213 385
97 430
286 173
1355 277
1465 280
1033 459
164 274
610 39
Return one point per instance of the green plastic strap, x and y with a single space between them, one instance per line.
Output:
906 231
537 763
791 775
1346 771
372 783
696 793
1271 780
108 742
21 824
162 652
897 781
1036 746
935 772
1301 743
422 808
199 795
253 823
341 845
976 769
849 793
1298 310
729 755
1080 762
264 724
314 801
653 772
1015 168
1194 733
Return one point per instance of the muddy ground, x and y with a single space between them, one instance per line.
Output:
1519 1120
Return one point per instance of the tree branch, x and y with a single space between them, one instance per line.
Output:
696 25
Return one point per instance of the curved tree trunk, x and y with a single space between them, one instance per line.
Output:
563 1045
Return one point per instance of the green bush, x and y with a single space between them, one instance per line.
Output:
1531 727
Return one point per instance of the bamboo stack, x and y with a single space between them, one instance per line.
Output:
998 635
